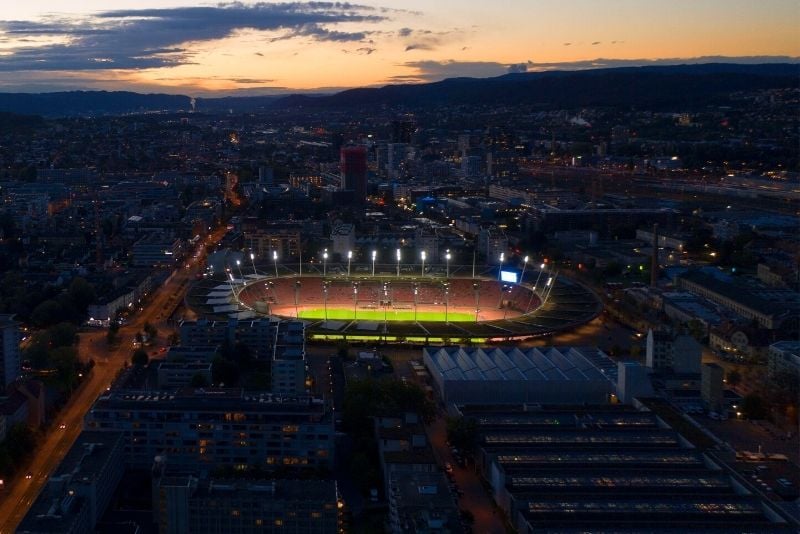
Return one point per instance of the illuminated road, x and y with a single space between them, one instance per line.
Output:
53 446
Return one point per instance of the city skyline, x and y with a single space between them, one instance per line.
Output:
176 46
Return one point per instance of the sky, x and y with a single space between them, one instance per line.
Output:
245 47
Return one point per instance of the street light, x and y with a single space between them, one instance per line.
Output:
324 262
447 268
398 263
524 265
239 266
253 261
502 259
374 255
275 259
349 257
424 254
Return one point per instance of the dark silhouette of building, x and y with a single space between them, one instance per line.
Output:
353 166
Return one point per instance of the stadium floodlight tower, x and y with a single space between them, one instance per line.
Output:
423 254
275 260
253 261
374 255
447 257
349 259
325 263
416 292
541 270
398 263
325 298
524 266
549 287
500 270
233 288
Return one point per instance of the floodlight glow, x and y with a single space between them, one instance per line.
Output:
398 254
423 255
349 254
274 254
525 259
374 254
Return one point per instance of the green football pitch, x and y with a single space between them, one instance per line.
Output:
390 315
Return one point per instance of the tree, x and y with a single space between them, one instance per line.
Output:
112 336
199 380
65 362
696 329
754 407
462 433
140 358
734 378
62 335
224 371
48 313
150 330
81 293
343 350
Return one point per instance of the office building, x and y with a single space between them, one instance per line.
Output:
677 354
173 375
353 167
80 489
188 505
194 428
421 502
711 388
289 358
9 350
783 358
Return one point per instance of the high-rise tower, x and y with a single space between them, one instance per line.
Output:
353 166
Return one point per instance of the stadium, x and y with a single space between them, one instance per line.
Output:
432 307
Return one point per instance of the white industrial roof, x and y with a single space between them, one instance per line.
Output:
511 363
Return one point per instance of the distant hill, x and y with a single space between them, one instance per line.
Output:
685 86
81 103
678 86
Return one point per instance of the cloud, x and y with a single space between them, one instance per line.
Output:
421 46
567 44
596 43
430 70
151 38
427 39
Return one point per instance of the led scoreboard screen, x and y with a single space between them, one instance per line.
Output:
508 277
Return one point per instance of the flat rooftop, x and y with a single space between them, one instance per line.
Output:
531 364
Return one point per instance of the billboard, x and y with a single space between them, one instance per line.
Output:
508 276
